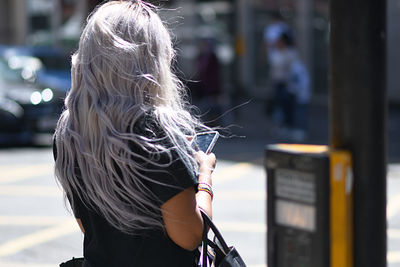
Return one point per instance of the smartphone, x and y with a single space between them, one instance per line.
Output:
205 141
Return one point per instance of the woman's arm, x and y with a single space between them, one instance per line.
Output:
181 213
80 225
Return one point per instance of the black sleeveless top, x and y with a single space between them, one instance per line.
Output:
106 246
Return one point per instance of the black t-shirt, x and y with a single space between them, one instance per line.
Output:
106 246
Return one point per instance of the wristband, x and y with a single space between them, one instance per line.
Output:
205 184
206 188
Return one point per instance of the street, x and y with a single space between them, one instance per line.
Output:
36 230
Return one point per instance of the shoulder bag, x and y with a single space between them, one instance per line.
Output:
217 253
75 262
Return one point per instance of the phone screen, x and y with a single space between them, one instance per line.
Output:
205 141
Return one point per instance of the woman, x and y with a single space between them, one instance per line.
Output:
122 145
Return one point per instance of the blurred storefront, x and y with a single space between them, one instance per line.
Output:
41 22
237 28
234 26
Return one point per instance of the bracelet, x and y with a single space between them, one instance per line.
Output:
205 184
206 188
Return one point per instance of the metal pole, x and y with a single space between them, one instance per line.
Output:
358 116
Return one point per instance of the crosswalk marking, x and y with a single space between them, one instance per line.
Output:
243 227
393 206
240 195
230 173
24 264
393 233
30 191
32 220
393 257
16 245
16 173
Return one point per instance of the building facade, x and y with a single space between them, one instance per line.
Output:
235 26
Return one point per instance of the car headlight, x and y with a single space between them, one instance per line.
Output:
46 95
36 97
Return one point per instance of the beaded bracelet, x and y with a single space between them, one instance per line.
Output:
206 188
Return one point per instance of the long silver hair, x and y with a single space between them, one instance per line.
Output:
121 70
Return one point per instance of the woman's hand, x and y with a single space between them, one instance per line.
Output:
207 164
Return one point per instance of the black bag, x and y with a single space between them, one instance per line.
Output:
75 262
220 255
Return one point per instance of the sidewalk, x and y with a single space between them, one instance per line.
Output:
251 131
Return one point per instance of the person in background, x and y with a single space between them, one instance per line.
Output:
122 145
280 66
299 86
208 89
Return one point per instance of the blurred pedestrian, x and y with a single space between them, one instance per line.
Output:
299 86
123 158
208 89
280 66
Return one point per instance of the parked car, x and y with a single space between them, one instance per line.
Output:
29 104
55 68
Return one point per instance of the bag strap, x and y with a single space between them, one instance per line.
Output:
208 222
205 240
205 254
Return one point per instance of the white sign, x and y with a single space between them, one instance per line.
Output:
295 215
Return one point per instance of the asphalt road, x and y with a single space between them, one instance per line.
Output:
36 230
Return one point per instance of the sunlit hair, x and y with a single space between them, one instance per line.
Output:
121 71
